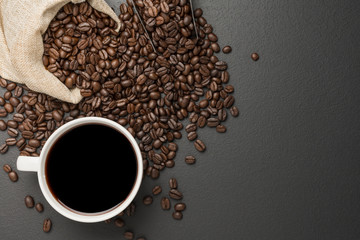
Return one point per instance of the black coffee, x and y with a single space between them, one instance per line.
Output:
91 168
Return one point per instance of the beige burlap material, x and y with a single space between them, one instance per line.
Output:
22 23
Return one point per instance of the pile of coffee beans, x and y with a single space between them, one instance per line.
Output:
123 78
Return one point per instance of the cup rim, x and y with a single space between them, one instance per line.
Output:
77 215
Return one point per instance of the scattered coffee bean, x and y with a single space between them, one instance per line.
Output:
175 194
234 111
177 215
129 235
119 222
47 225
192 136
227 49
173 183
199 145
3 148
165 203
3 125
220 128
190 159
180 207
156 190
147 200
7 168
39 207
13 176
254 56
29 201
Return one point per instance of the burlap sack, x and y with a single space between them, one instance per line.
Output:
22 23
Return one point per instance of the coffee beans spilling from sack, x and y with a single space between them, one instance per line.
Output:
123 78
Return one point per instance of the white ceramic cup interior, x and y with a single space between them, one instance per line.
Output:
37 164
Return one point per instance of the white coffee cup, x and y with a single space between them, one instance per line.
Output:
37 164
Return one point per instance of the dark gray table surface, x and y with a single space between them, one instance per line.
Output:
289 165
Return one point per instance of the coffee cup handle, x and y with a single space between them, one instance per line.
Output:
28 164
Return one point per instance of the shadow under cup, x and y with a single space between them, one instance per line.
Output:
91 169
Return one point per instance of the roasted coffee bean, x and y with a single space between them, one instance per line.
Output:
190 159
234 111
254 56
201 122
180 207
192 136
3 148
226 49
3 125
173 183
39 207
191 127
147 200
220 128
128 235
175 194
13 176
229 101
157 190
29 201
7 168
47 225
3 112
165 203
199 145
177 215
213 122
119 222
34 143
10 141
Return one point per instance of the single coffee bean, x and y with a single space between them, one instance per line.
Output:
191 127
34 143
12 132
129 235
173 183
3 112
192 136
234 111
11 141
220 128
119 222
29 201
47 225
180 207
172 146
165 203
227 49
147 200
7 168
175 194
199 145
254 56
157 190
13 176
213 122
201 122
190 159
3 125
177 215
39 207
3 148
